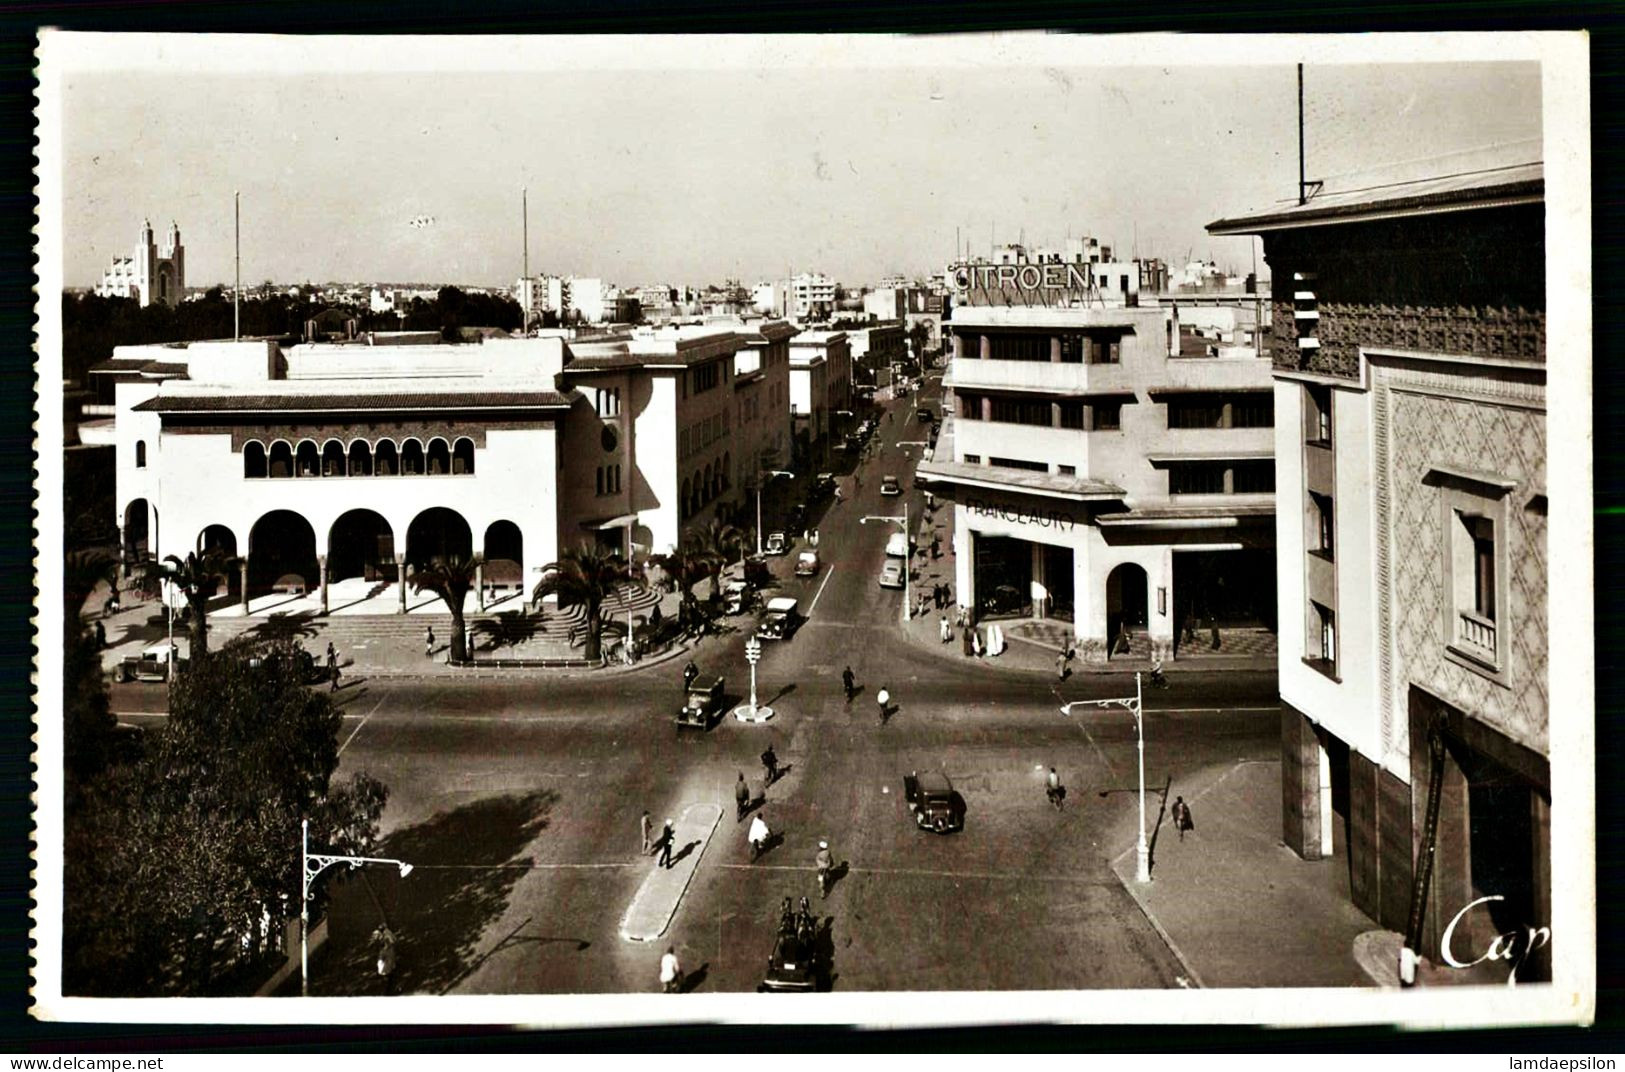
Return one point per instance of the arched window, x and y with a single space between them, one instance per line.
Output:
386 459
281 459
727 470
716 481
412 458
439 457
141 454
705 485
462 457
682 503
333 459
254 459
306 460
361 458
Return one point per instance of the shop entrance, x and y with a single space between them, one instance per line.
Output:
1058 580
1125 604
1004 577
1222 590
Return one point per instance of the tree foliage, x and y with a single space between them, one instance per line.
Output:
198 577
174 860
584 575
450 578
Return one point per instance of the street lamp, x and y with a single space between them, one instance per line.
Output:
311 865
762 478
1142 866
908 559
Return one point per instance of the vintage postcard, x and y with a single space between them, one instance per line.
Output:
898 531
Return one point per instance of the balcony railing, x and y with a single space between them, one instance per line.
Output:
1476 634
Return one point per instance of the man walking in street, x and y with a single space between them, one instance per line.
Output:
770 760
1182 817
757 836
428 642
741 797
823 861
848 684
644 827
671 972
1062 662
1054 790
944 633
883 697
667 836
332 668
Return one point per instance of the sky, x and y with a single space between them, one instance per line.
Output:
665 171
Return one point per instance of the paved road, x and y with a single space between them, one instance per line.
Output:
517 800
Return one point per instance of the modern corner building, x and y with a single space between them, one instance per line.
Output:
325 463
1100 478
1410 444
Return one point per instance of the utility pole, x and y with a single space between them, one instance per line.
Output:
1301 184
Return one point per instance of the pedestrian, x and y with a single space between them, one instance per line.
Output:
384 941
814 539
667 836
741 797
644 828
944 632
671 972
771 761
823 861
428 642
936 546
757 836
101 637
848 684
1055 791
654 618
332 667
968 638
112 606
883 697
690 672
976 641
1063 663
1182 817
468 641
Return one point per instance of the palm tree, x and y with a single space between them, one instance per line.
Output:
450 577
716 545
687 570
197 576
82 571
586 574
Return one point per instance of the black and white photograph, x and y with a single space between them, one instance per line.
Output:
834 528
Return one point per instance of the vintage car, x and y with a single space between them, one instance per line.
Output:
823 485
897 545
934 802
781 619
777 544
702 702
891 574
889 485
923 414
794 965
807 563
154 662
737 597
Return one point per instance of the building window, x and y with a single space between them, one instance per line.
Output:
1195 411
1252 478
1066 470
1108 416
1253 411
1072 349
1323 529
973 459
1072 415
1017 463
1317 415
705 377
598 481
1021 411
607 401
254 460
970 407
1196 478
140 454
1014 347
1105 349
462 457
1322 638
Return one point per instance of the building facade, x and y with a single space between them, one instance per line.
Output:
1104 482
1410 370
811 297
820 391
151 274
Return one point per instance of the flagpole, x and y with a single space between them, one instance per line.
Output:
237 257
525 287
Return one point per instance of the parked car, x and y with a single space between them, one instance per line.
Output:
897 545
701 702
736 597
807 563
891 574
889 485
923 414
782 617
934 802
756 572
155 662
777 544
823 484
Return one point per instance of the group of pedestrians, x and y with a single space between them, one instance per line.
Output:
662 844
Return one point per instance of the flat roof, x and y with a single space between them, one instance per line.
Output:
1510 184
995 478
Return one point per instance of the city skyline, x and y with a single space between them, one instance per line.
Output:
746 171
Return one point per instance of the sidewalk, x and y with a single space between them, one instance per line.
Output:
656 902
1031 645
1236 906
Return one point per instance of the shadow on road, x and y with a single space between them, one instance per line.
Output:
466 862
695 979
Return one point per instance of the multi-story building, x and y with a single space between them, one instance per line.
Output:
820 391
875 350
763 427
1101 479
1410 379
811 296
151 274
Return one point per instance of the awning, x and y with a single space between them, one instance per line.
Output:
994 478
620 521
1213 456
